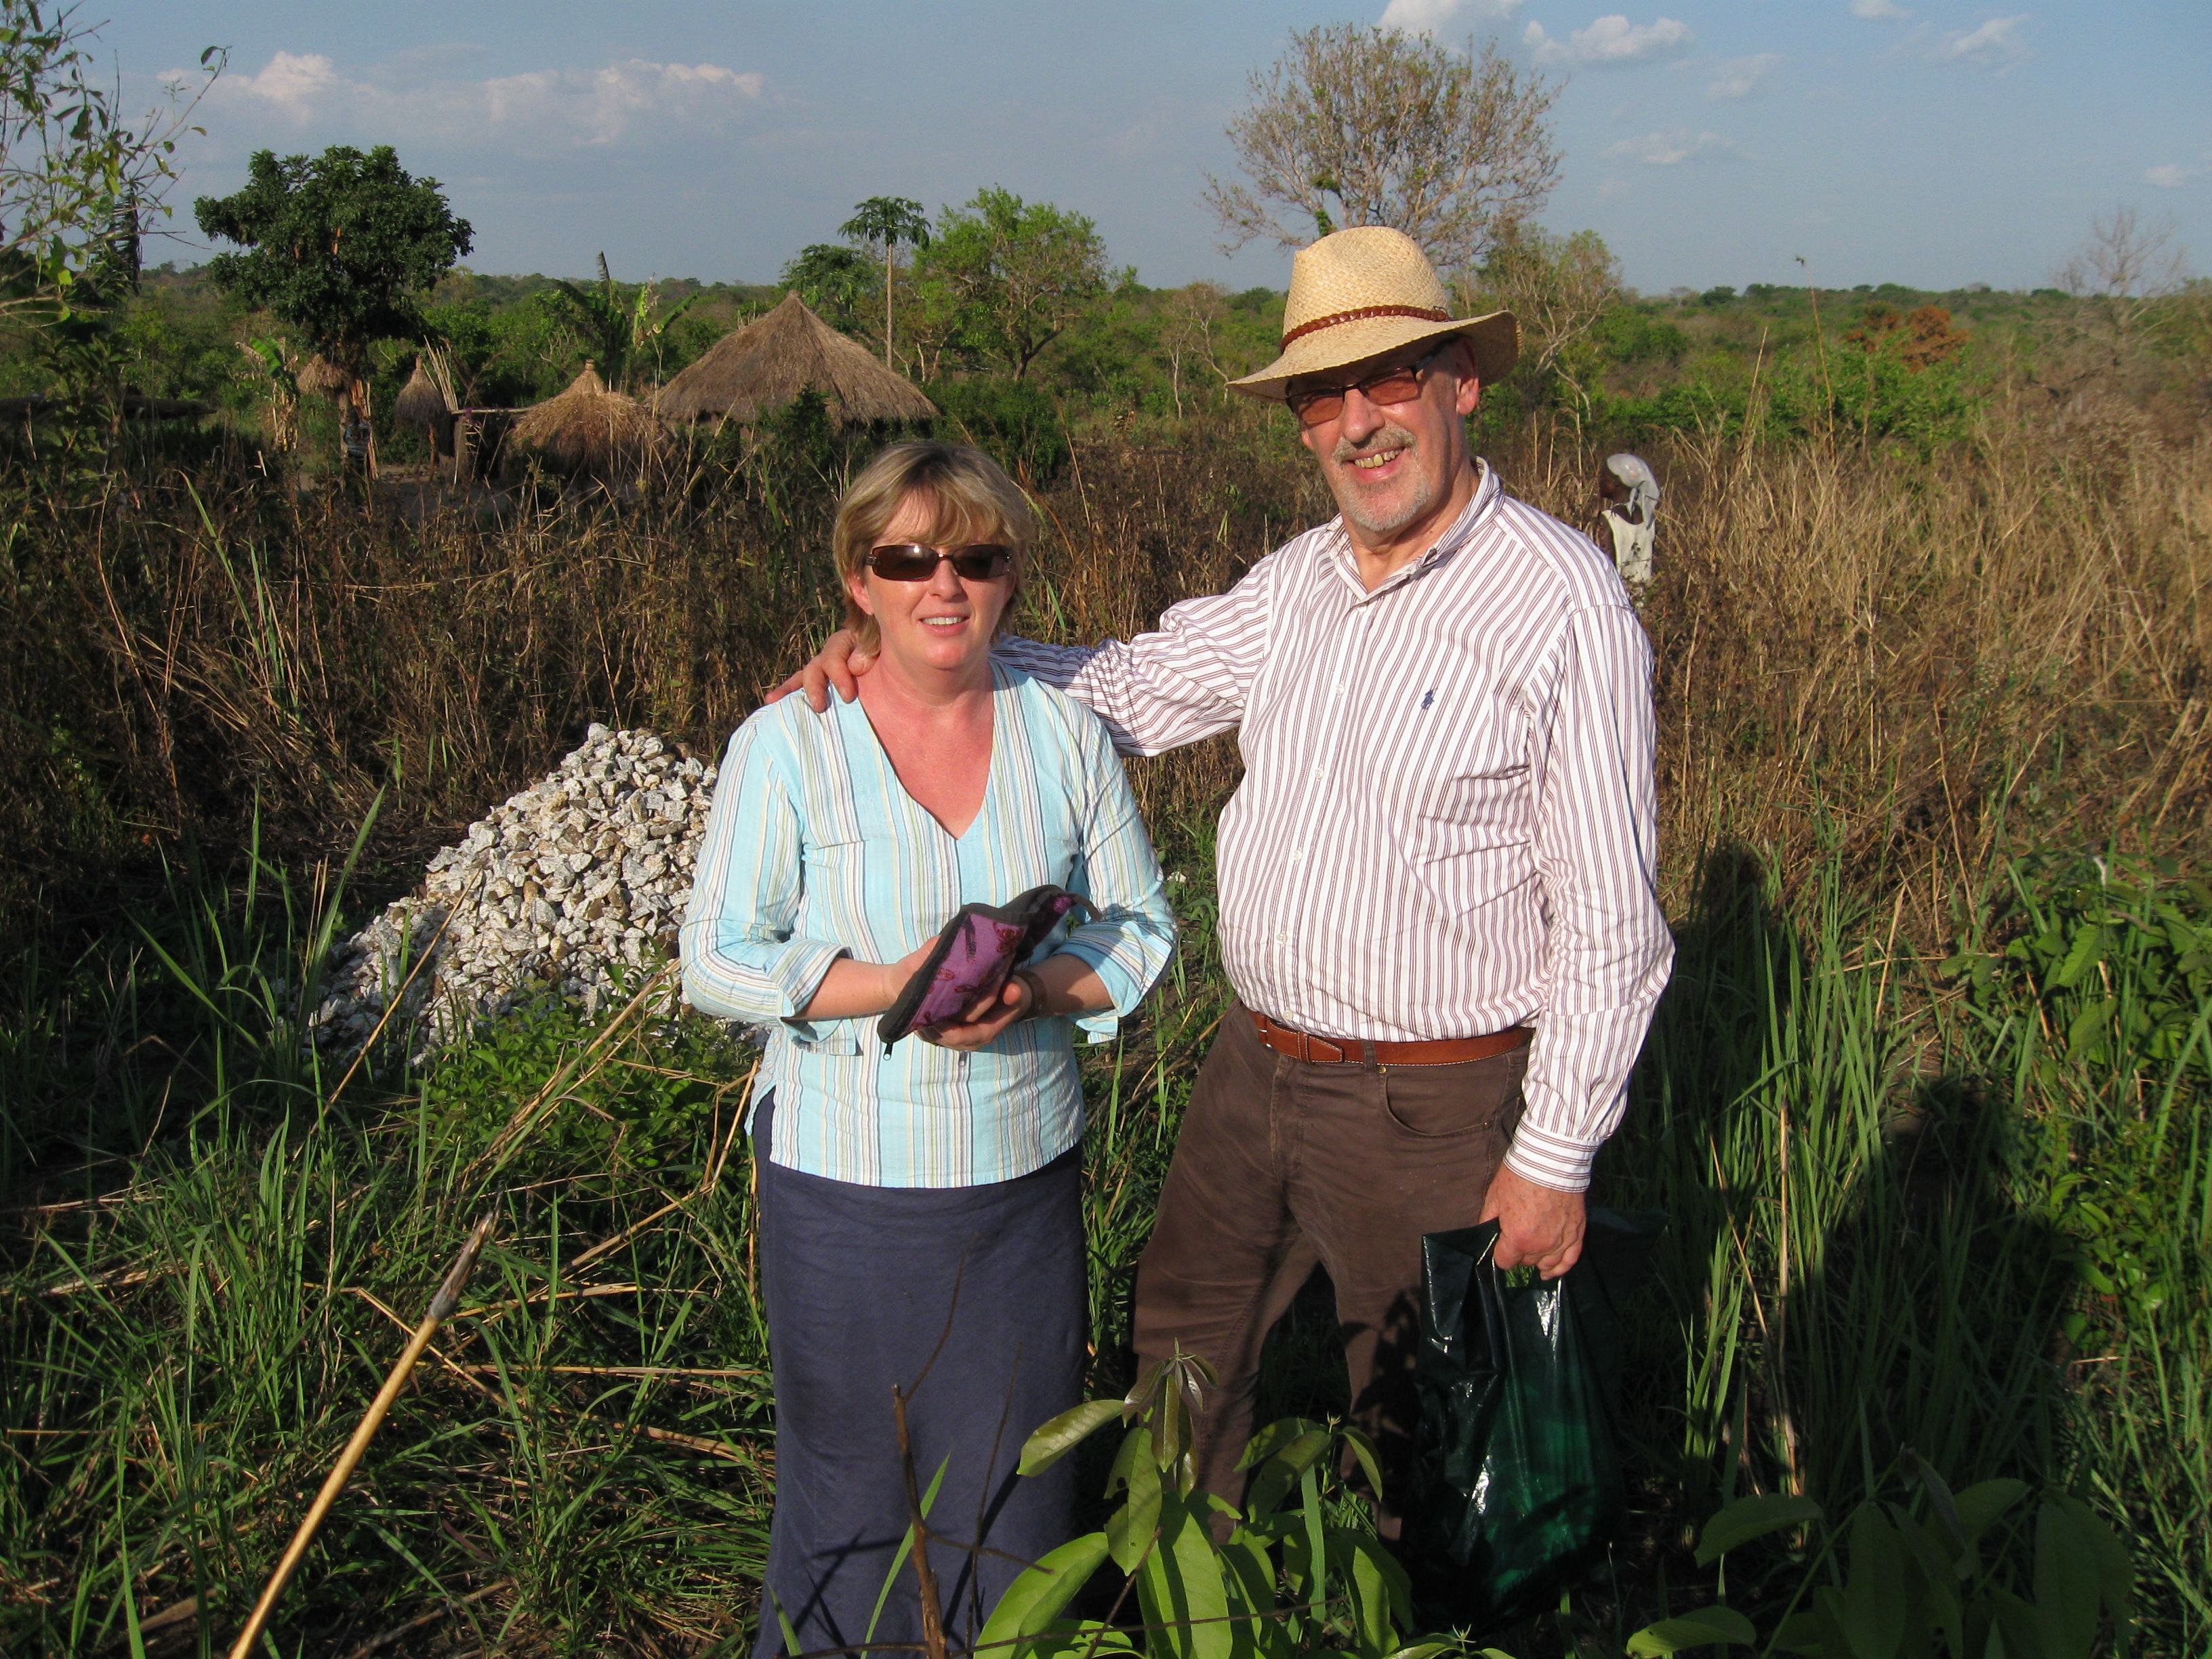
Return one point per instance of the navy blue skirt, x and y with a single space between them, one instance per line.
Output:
981 1288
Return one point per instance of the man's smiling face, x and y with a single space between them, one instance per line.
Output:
1389 465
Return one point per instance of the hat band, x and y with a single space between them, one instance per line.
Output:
1423 312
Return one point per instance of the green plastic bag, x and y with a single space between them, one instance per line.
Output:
1517 1487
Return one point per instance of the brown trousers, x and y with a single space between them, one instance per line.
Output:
1283 1163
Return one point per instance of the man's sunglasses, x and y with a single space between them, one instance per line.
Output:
911 561
1315 404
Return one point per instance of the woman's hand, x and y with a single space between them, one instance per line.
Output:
983 1020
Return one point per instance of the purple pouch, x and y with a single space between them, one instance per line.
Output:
979 949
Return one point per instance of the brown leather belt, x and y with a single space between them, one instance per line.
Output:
1448 1051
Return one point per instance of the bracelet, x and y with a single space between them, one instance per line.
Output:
1036 1009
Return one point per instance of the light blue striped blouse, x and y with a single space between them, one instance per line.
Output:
814 850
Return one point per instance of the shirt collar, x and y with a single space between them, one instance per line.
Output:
1338 554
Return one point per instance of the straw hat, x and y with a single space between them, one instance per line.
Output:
1362 292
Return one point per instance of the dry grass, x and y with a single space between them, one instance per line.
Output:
1925 662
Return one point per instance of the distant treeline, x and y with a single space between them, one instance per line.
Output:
1879 362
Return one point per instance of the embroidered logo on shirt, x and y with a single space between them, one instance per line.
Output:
1428 698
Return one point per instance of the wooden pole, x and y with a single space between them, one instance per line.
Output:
441 1307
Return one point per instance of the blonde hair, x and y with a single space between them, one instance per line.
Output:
971 500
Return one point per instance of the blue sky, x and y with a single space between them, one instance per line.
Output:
1928 142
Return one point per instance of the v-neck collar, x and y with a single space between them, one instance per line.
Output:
896 787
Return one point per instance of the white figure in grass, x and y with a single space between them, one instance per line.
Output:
1630 492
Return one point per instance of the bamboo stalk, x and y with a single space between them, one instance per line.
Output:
441 1307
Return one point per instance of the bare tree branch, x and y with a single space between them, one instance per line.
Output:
1398 130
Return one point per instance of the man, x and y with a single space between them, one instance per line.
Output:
1444 839
1628 506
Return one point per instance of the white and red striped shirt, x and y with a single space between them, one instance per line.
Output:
1446 823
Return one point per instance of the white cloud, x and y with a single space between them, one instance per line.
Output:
576 107
1608 42
295 83
2173 175
1880 11
1740 78
1667 150
1995 45
1430 16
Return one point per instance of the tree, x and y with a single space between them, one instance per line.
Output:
887 221
72 167
2123 274
615 332
1558 288
340 246
1009 277
1400 132
835 281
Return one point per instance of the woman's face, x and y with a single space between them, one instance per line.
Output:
943 624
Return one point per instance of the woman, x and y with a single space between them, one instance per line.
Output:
919 1206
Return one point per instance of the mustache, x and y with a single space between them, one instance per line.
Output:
1388 437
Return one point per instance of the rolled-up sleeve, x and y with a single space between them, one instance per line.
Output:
1188 679
1130 940
1608 947
741 959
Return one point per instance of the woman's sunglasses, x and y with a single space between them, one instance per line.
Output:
911 561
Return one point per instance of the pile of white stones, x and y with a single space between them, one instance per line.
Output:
575 886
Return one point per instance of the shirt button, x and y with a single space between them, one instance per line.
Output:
1341 689
1282 939
1320 770
1298 855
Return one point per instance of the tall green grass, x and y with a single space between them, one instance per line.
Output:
1897 1211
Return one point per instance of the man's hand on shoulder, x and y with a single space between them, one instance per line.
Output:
1537 1226
837 663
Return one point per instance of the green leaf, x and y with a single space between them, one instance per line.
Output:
1877 1594
905 1547
1065 1433
2066 1591
1273 1438
1182 1582
1939 1572
1752 1517
1939 1498
1801 1632
1367 1577
1035 1599
2023 1631
1132 1527
1980 1506
2088 950
1700 1629
1117 1476
1370 1463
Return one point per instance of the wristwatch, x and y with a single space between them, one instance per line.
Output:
1035 1009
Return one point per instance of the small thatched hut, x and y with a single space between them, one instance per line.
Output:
318 377
766 364
587 431
422 402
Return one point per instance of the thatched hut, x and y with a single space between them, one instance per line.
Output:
420 401
318 377
766 364
424 403
587 431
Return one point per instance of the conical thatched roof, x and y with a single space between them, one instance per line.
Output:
318 377
766 364
420 403
589 430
